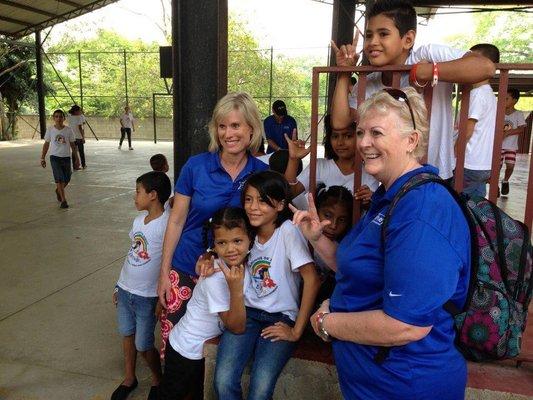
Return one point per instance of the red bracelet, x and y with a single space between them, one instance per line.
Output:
435 79
412 77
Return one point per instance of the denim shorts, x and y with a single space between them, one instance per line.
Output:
61 168
136 316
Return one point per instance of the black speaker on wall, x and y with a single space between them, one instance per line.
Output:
165 61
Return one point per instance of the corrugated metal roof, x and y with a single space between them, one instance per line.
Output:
19 18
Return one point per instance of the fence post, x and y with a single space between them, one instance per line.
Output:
126 78
81 83
153 113
271 77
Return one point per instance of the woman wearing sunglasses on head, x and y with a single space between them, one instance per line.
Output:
392 338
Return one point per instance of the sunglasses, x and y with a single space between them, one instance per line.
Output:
399 95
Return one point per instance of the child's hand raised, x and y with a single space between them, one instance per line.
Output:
296 147
205 266
234 277
346 55
363 194
308 221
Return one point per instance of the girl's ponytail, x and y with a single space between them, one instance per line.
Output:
206 228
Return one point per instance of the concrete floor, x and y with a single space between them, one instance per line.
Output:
58 337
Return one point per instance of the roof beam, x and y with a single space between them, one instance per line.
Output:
14 21
69 3
27 8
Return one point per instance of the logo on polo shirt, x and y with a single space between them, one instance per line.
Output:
378 219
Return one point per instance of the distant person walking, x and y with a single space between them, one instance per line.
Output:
76 120
126 126
59 138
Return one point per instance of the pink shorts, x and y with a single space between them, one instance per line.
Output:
508 156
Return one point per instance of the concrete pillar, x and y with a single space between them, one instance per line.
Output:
342 31
199 58
40 84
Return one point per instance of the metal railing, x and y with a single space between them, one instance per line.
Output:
363 71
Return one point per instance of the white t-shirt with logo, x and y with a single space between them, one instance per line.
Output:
328 173
273 282
74 121
440 148
127 120
515 119
201 321
59 140
140 272
482 108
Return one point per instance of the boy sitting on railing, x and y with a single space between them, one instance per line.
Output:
389 40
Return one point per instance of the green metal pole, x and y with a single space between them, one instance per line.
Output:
81 83
153 113
271 77
126 78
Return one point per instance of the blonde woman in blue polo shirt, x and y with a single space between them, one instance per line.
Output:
391 295
207 182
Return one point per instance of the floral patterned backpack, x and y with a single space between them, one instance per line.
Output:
491 324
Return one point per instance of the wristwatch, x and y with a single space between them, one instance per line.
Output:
324 335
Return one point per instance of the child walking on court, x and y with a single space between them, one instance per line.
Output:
217 302
275 316
135 294
61 141
514 126
480 129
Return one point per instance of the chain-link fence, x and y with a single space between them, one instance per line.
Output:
103 82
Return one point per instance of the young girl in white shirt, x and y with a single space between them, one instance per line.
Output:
275 316
335 169
216 303
334 204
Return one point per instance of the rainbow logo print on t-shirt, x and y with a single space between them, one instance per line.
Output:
138 254
261 280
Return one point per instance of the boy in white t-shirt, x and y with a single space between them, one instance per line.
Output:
60 140
389 40
135 294
75 121
126 126
480 129
514 126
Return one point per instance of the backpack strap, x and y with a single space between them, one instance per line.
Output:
414 182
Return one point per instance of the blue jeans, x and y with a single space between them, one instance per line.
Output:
136 316
269 358
475 182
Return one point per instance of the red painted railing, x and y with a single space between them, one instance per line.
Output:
428 93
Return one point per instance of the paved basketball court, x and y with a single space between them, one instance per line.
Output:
58 337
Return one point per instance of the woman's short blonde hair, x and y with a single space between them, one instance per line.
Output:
244 103
383 103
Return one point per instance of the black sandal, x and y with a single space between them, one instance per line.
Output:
123 391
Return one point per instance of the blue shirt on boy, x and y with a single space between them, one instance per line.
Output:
210 188
427 263
274 131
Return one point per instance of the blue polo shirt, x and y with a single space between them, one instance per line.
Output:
275 131
210 188
426 262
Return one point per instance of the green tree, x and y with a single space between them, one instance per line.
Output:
105 60
510 32
17 83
